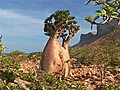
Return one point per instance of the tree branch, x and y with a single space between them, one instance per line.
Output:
71 34
115 17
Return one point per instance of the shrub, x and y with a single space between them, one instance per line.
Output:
2 47
96 54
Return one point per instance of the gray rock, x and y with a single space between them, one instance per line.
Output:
101 31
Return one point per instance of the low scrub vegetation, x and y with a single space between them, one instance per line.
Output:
96 54
92 68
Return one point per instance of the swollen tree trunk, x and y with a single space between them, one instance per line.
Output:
54 56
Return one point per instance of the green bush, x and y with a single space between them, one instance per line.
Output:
106 87
16 53
96 54
10 65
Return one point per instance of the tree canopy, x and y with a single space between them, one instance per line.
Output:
61 24
109 9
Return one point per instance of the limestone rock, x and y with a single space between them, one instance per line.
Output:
102 30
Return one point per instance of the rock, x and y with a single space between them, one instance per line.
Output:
102 30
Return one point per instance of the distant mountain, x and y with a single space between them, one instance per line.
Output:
104 35
112 38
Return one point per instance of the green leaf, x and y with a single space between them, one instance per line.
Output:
101 12
98 12
89 19
96 17
113 4
108 0
67 12
71 17
115 13
102 1
8 76
74 22
1 88
0 37
110 8
113 63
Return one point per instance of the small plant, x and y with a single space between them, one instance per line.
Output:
7 76
10 63
96 54
2 47
106 87
1 88
34 55
16 53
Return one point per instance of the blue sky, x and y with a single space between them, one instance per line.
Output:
22 21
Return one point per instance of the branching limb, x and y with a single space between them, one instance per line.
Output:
58 23
115 17
103 22
109 11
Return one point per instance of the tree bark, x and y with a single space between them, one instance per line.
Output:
54 56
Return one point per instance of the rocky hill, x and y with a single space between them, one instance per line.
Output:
112 38
104 34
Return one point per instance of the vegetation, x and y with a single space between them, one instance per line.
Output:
2 47
55 56
108 9
91 67
24 68
11 69
96 54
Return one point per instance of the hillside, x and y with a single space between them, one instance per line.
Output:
94 66
112 38
105 30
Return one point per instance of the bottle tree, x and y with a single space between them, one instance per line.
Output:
55 55
109 9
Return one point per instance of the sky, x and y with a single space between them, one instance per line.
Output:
22 21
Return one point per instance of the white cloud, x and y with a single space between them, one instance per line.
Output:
21 31
9 14
16 24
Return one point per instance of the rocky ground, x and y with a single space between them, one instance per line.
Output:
91 77
94 66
